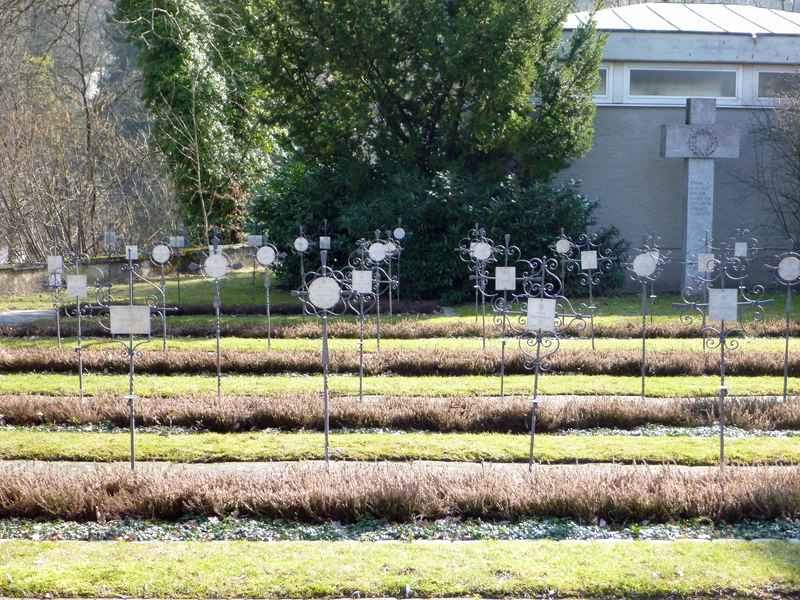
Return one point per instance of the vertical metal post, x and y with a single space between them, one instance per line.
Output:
131 359
535 401
79 350
483 320
178 273
378 313
391 291
164 309
644 335
58 317
722 393
591 308
325 398
361 348
217 306
503 363
786 330
267 290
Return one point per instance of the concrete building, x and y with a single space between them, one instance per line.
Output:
657 56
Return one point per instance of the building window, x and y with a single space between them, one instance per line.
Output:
774 84
602 84
682 83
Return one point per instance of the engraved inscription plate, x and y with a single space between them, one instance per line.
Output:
55 264
130 320
541 314
266 256
161 254
589 260
481 250
740 250
216 266
301 244
505 279
255 241
324 293
377 252
789 269
645 264
325 242
399 233
77 286
723 304
362 282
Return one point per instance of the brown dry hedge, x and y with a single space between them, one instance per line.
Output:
447 415
396 362
400 492
402 328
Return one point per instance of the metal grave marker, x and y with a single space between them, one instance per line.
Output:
787 273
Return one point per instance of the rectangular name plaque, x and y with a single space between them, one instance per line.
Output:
325 242
589 260
723 305
541 314
255 241
740 250
362 282
177 241
132 252
77 286
130 320
505 279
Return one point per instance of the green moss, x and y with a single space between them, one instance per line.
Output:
427 569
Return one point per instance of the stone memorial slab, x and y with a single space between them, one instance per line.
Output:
541 314
255 241
700 141
362 281
399 233
324 293
723 305
77 287
325 242
301 244
789 269
130 320
132 252
161 254
266 256
216 266
377 252
589 260
481 251
505 279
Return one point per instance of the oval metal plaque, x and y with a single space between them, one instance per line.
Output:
481 251
789 269
399 233
301 244
645 264
377 252
161 254
324 293
266 256
216 266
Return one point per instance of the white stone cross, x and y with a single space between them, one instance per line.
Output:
701 140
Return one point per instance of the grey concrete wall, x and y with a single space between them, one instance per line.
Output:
639 192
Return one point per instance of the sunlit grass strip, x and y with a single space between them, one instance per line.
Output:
468 344
398 492
428 569
249 385
455 414
492 447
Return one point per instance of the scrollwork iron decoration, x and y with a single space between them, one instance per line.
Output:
267 256
477 251
787 274
644 268
360 275
325 294
375 255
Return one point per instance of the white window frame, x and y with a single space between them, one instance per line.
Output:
770 69
608 96
680 100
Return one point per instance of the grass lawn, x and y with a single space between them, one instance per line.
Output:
428 569
56 384
463 344
23 444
